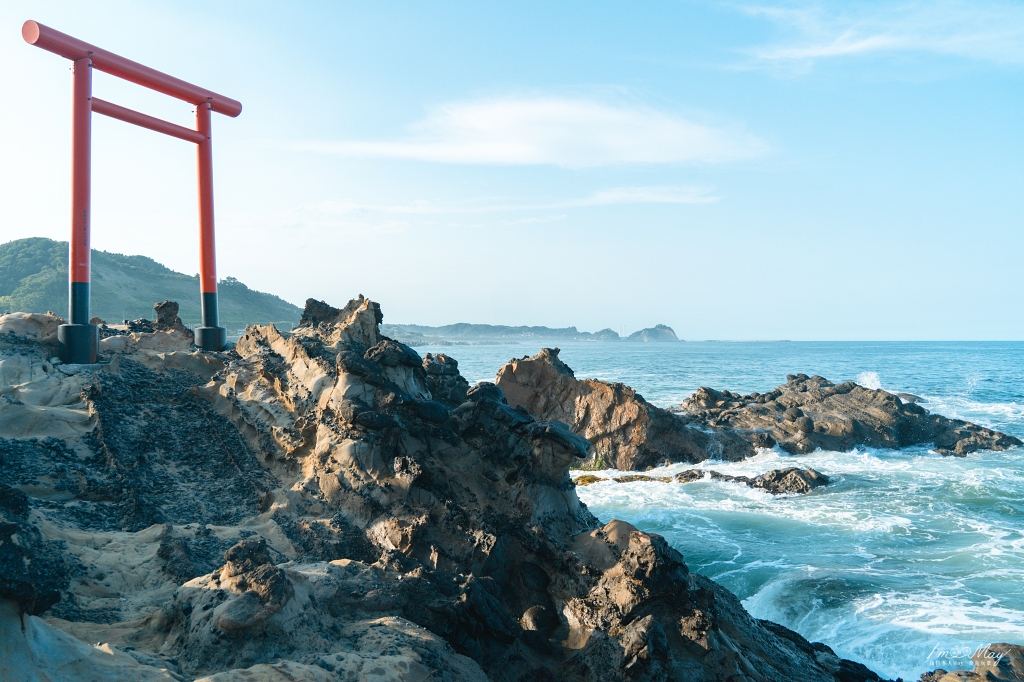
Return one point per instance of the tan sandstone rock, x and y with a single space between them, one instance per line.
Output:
31 326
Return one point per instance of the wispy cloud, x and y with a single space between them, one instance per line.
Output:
649 195
573 133
357 219
607 197
983 31
537 220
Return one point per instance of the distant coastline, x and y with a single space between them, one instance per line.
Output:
748 341
474 334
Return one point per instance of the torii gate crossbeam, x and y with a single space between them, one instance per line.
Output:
78 341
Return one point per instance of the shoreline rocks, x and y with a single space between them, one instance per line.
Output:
805 414
791 480
364 526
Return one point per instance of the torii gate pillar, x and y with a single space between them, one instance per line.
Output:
78 341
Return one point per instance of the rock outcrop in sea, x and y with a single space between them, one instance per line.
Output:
791 480
658 332
322 505
806 413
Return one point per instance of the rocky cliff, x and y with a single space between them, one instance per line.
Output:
806 413
327 505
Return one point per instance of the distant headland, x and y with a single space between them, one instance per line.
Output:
421 335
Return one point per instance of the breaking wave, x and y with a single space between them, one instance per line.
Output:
869 380
902 555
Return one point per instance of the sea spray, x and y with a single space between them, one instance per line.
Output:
869 380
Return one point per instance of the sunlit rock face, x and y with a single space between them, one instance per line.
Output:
626 431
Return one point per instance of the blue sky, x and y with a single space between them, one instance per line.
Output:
734 170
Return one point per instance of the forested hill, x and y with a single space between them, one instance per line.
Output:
34 278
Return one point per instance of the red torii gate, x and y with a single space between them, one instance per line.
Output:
78 341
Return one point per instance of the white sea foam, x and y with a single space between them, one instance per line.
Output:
905 553
990 414
890 630
869 380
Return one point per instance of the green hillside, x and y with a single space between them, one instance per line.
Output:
34 278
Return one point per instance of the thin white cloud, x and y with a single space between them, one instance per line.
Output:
573 133
650 195
846 44
358 219
607 197
983 31
538 220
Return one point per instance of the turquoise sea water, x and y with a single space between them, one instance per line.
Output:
907 562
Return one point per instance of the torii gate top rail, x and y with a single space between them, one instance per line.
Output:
108 62
78 341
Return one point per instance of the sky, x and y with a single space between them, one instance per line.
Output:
805 171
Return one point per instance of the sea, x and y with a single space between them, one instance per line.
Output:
908 561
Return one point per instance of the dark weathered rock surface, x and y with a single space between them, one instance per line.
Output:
167 316
33 570
777 481
807 413
443 379
372 529
792 480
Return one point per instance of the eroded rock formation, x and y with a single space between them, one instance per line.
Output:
166 314
806 413
325 505
625 431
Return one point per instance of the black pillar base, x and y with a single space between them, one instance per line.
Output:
78 344
211 338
